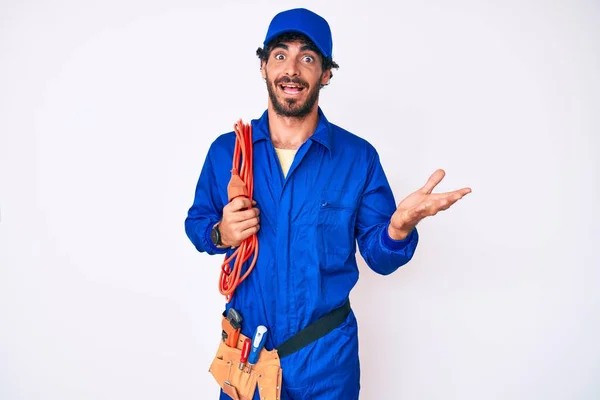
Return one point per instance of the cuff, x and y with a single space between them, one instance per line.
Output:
209 243
395 245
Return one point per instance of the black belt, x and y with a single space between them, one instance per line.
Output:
314 331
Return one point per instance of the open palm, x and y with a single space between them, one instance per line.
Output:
423 203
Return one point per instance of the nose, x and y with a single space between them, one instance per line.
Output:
291 67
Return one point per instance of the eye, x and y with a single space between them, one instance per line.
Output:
308 59
279 56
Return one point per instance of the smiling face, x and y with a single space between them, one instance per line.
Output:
294 75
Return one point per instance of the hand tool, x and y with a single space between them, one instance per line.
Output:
258 342
231 325
245 352
235 317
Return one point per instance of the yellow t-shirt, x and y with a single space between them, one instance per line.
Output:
286 158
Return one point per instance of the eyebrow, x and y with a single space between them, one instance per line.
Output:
308 47
303 48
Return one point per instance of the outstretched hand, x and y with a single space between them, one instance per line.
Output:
421 204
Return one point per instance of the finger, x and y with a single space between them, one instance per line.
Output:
245 215
433 205
249 223
232 212
239 203
458 194
461 192
433 181
464 191
444 203
249 232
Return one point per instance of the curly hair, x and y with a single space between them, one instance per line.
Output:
327 63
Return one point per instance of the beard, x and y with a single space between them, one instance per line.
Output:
292 107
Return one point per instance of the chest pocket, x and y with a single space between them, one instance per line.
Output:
335 222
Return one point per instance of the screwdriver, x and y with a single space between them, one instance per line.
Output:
258 342
245 351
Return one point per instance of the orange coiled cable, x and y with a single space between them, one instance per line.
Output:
241 184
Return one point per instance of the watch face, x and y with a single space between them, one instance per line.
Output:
214 236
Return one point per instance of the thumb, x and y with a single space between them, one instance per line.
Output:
433 181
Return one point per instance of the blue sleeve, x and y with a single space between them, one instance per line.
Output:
206 210
381 253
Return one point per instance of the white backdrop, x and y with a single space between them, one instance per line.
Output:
107 110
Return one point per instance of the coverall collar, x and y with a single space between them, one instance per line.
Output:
322 135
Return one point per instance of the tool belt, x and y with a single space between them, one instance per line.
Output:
240 384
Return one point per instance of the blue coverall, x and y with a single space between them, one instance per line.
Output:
335 195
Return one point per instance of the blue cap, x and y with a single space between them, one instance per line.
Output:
303 21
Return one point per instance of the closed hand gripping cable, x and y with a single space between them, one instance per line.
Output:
240 184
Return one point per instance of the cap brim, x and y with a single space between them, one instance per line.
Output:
296 30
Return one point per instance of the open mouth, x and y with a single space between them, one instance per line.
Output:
291 88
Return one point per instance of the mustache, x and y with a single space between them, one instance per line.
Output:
287 79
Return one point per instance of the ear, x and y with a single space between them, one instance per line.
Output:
326 77
263 71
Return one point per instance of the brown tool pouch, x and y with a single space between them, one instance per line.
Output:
239 384
267 372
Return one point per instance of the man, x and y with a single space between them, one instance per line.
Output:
320 190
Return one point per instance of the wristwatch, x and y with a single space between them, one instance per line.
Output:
215 236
